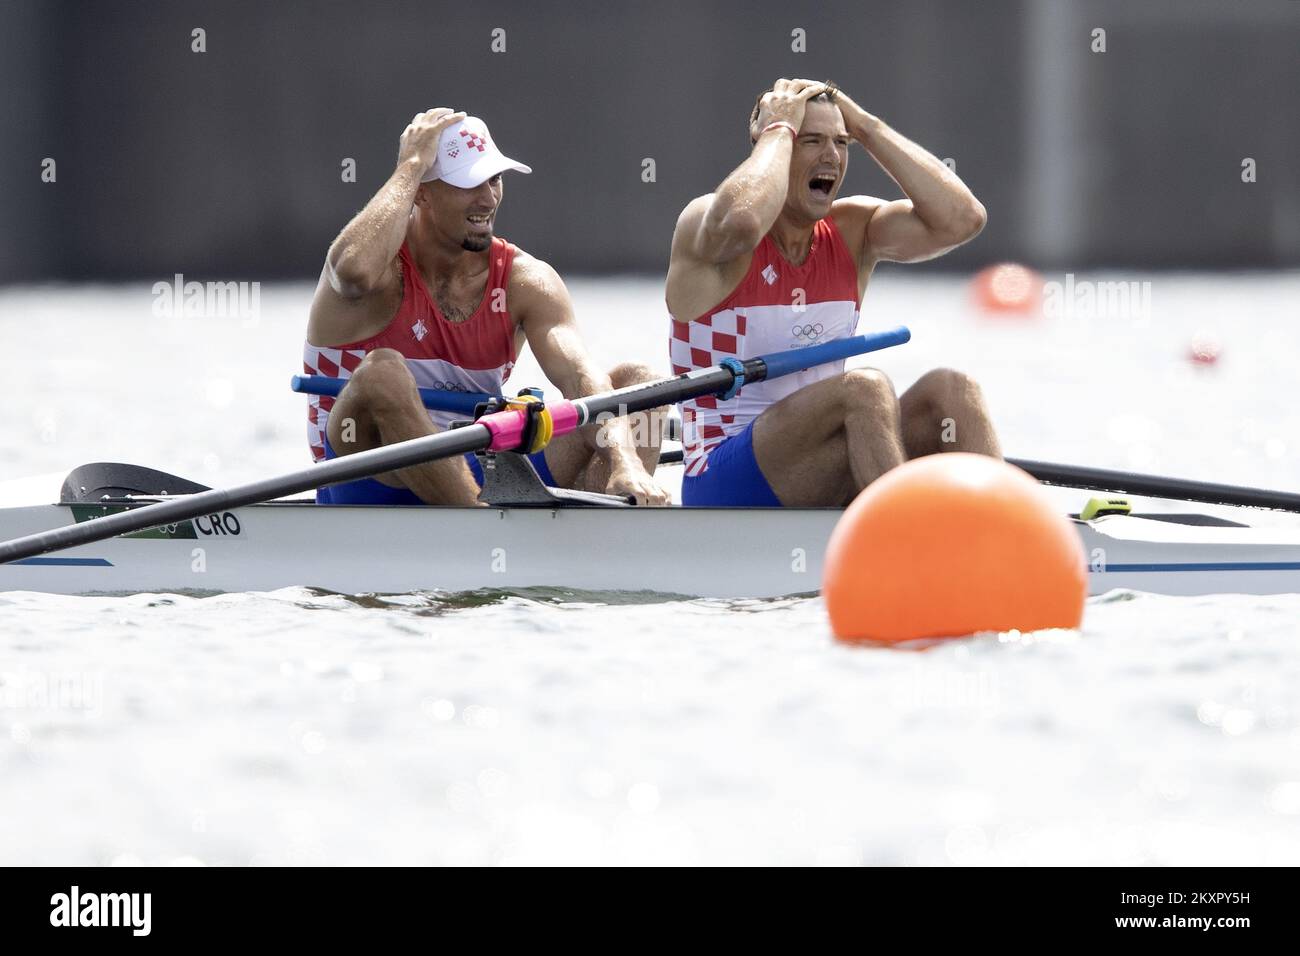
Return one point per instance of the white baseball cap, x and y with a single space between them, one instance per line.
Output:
467 156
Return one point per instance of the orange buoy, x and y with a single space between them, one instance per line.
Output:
1008 288
948 545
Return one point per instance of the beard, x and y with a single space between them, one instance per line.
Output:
476 243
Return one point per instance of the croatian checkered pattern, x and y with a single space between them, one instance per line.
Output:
706 421
334 363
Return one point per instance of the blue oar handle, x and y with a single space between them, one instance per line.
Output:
795 360
437 399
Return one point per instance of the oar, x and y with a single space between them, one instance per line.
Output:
499 431
445 399
1154 486
1130 483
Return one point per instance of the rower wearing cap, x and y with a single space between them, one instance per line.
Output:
773 260
417 292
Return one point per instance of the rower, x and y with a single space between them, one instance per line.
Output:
773 260
417 292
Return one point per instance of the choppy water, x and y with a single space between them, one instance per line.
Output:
302 727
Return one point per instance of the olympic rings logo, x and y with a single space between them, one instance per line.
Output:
807 331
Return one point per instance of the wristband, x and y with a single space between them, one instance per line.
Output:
781 124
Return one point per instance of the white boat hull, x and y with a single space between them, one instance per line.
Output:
712 552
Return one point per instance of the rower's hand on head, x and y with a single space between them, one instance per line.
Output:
854 115
420 141
638 485
786 102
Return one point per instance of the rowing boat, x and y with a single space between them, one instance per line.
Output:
578 544
124 529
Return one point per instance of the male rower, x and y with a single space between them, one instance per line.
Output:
773 261
418 292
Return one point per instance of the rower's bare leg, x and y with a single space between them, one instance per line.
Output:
945 411
570 458
380 405
828 441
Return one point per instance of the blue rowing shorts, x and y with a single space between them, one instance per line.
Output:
370 491
733 478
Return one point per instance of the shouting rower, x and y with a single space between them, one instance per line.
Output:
773 260
418 292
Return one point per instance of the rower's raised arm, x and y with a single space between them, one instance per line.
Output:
939 213
362 256
360 277
733 220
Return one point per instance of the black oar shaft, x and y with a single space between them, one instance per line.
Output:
1155 486
1124 482
332 472
640 398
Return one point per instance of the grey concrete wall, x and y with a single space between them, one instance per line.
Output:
226 163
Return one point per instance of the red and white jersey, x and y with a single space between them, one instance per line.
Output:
777 306
475 355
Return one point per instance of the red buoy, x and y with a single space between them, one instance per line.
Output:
1008 288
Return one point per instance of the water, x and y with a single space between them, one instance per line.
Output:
301 727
